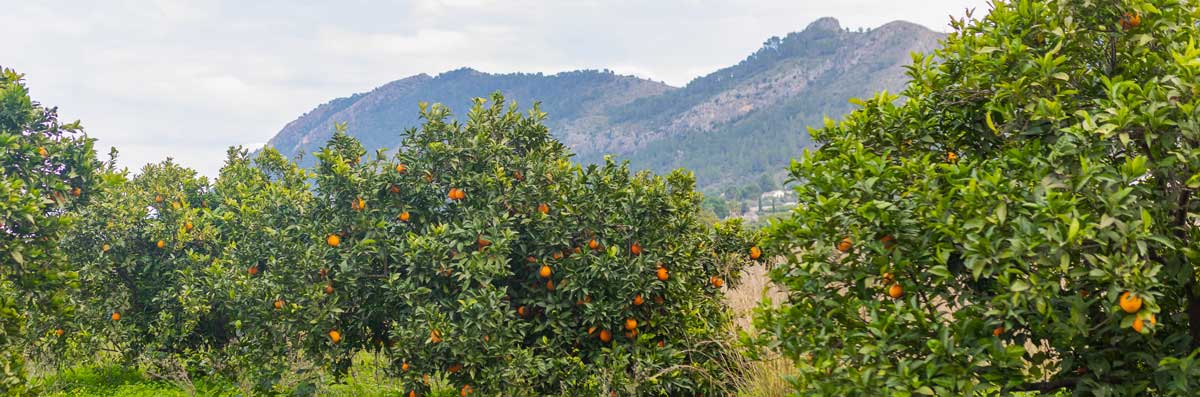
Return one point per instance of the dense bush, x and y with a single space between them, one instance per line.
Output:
1024 221
482 251
478 258
46 170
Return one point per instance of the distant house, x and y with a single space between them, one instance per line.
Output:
775 194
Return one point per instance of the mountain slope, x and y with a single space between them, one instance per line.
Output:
732 125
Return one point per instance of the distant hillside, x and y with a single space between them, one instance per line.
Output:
730 126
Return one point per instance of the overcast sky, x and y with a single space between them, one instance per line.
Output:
187 79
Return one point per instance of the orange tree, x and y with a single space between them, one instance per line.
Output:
257 274
131 246
208 276
480 252
46 169
1024 221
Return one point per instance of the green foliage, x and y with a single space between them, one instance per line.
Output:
46 170
456 288
268 274
1044 165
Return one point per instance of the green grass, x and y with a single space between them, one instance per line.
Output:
366 378
116 381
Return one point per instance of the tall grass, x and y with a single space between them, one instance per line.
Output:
765 377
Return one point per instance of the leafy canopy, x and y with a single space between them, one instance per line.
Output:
1043 163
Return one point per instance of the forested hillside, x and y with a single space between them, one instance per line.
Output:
730 127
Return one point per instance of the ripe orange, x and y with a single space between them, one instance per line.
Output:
951 157
636 249
544 208
105 248
404 216
328 289
404 366
755 252
42 152
482 242
333 240
630 324
401 168
253 270
521 311
593 244
845 245
557 255
76 191
335 336
116 316
435 336
662 274
412 393
58 332
550 285
394 189
716 281
1130 20
1130 303
638 301
279 304
158 198
188 226
466 390
888 241
545 271
998 331
358 204
605 336
661 344
161 244
896 291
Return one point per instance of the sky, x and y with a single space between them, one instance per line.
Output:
188 79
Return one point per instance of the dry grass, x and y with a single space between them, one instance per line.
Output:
766 378
743 299
762 378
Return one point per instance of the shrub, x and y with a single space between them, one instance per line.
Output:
46 169
477 259
978 237
482 252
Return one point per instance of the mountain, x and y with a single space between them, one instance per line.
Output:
730 126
